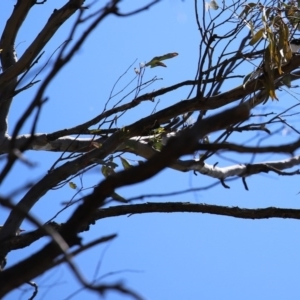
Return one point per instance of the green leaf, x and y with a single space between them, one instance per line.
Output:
95 131
106 171
117 197
131 144
269 78
246 9
257 36
287 80
246 79
125 163
158 130
157 145
156 61
72 185
110 164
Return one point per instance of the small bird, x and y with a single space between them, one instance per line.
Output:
295 45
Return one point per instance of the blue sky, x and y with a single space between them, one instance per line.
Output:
160 256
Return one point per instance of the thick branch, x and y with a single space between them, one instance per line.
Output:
143 149
43 260
9 58
51 179
10 31
57 19
24 240
39 142
112 143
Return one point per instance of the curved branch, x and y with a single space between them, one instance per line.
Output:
147 6
10 32
51 179
24 240
40 142
181 107
172 207
209 103
57 19
143 149
9 58
43 260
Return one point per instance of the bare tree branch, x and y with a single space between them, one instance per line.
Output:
57 19
173 207
162 138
